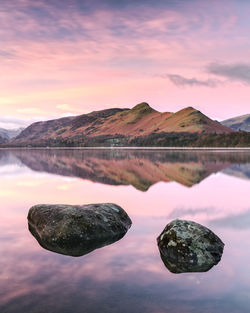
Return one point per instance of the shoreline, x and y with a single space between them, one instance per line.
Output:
232 149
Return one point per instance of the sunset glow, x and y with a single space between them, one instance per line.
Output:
70 57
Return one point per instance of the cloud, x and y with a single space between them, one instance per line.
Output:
31 110
70 110
232 72
181 81
9 122
236 71
12 123
6 54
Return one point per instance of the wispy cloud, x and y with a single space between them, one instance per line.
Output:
6 54
235 72
182 81
9 122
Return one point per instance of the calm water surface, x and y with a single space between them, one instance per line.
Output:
211 188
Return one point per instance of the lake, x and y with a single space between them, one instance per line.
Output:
128 276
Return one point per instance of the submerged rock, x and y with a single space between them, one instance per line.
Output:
77 230
187 246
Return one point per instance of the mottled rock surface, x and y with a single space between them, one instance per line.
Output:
186 246
77 230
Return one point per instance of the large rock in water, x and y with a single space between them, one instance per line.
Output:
186 246
77 230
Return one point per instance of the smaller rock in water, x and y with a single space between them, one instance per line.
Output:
77 230
186 246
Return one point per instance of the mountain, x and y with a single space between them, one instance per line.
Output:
141 120
238 123
10 133
3 140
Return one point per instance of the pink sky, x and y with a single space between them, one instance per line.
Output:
74 57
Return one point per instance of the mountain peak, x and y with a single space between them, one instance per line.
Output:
189 109
142 106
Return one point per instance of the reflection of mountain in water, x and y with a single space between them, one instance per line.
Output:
140 169
7 158
238 170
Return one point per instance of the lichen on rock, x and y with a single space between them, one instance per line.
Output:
77 230
186 246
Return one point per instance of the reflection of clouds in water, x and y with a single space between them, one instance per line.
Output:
239 221
92 283
127 276
181 212
13 170
9 172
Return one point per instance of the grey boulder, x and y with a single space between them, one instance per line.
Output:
77 230
186 246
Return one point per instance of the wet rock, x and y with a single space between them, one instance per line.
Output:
186 246
77 230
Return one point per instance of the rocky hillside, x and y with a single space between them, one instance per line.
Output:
238 123
142 120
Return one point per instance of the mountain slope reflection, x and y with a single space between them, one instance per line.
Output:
140 169
239 170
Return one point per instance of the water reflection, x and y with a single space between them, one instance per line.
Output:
141 169
127 276
239 170
234 221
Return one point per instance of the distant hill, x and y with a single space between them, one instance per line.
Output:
238 123
8 134
107 125
3 140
